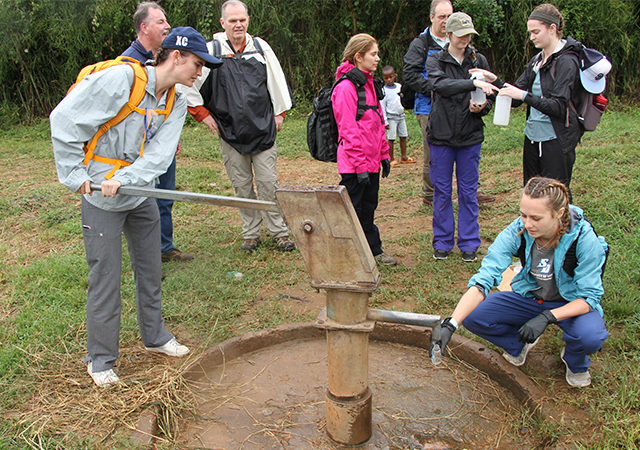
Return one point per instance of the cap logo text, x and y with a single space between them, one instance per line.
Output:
182 41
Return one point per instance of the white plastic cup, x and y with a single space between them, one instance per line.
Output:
502 111
478 96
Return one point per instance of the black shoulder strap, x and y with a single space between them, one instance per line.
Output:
522 250
256 42
217 48
571 259
359 80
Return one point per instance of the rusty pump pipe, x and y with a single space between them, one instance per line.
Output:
335 250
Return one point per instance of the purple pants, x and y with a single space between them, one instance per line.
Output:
467 160
499 317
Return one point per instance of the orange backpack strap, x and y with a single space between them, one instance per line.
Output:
137 94
138 91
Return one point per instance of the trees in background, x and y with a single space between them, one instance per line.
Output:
46 42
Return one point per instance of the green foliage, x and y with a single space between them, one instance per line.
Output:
46 42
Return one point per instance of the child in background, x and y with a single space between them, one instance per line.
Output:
394 116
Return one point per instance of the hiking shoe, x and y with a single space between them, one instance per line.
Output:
386 260
522 357
103 378
440 254
250 245
285 244
484 198
171 348
176 255
469 256
580 379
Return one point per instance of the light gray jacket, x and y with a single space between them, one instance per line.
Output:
94 101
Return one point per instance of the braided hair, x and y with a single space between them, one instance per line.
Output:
556 195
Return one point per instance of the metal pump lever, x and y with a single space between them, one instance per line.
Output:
193 197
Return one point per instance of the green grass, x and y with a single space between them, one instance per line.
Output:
43 273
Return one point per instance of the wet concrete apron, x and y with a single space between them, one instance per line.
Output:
267 390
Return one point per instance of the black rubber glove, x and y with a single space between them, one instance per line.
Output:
532 330
445 335
363 179
386 167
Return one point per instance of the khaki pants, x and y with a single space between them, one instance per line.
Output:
427 187
242 169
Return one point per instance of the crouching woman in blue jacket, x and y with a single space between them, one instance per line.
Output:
543 292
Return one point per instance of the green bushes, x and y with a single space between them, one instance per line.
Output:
46 42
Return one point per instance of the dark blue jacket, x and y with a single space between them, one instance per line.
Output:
137 51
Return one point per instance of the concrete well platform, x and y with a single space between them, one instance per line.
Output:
266 390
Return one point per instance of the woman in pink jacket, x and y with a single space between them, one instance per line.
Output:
363 145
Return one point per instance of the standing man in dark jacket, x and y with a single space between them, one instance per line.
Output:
152 27
244 102
432 40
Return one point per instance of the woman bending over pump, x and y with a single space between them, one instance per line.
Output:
133 152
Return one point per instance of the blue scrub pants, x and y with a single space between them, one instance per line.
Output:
166 181
467 161
499 317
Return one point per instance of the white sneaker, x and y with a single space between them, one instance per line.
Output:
522 357
104 378
580 379
171 348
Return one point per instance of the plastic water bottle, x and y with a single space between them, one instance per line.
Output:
236 275
478 96
436 355
502 111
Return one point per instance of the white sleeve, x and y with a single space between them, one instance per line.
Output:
276 81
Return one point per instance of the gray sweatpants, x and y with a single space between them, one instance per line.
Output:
241 170
102 232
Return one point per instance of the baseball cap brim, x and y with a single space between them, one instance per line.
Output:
210 61
594 78
464 32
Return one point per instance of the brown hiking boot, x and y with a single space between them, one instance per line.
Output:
484 198
385 259
285 244
250 245
176 255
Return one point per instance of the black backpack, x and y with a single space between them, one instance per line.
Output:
322 130
407 94
570 258
589 107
